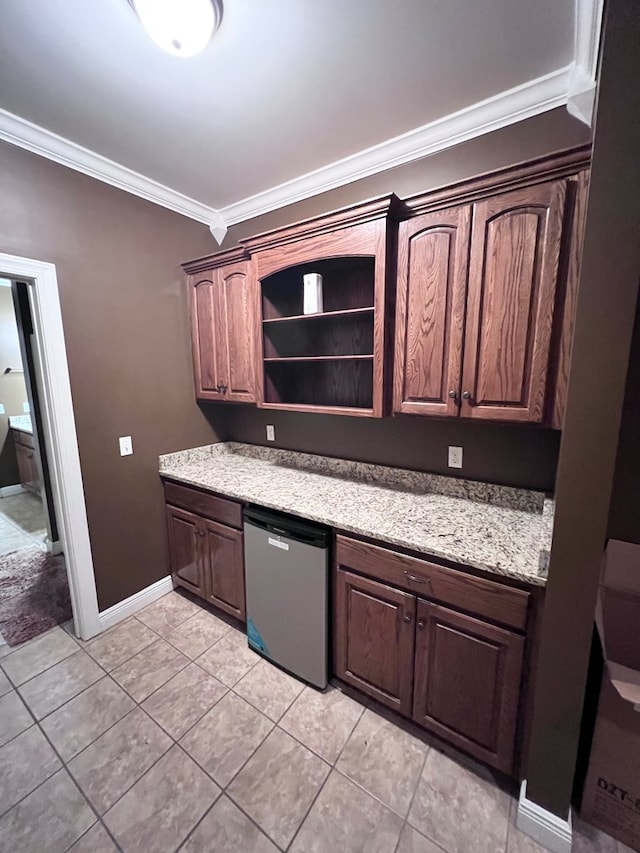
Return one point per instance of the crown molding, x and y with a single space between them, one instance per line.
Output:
38 140
584 69
529 99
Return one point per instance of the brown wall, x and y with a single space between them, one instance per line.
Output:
606 304
13 391
624 513
512 455
497 453
125 319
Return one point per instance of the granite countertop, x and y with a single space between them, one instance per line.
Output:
498 529
21 423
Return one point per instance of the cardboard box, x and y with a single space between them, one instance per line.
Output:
611 797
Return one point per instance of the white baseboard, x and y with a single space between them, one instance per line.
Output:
112 615
547 829
8 491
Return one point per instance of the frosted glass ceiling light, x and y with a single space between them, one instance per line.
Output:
181 27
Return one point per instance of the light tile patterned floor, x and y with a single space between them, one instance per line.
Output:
22 522
167 733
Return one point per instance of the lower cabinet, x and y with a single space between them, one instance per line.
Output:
375 639
466 681
456 675
26 457
223 562
206 556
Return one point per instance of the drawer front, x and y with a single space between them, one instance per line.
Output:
204 503
494 601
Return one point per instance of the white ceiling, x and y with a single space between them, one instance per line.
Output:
285 88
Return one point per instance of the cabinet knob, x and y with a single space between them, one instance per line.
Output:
421 626
407 618
453 395
466 395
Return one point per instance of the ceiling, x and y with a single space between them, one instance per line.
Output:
286 88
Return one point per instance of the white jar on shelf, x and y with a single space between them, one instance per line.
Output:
312 301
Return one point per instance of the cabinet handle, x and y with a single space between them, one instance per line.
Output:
414 578
453 395
466 395
421 626
224 389
219 387
407 618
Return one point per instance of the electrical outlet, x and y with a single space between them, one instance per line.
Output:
126 446
455 457
271 432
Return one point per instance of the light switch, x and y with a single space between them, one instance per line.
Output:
126 446
455 457
271 432
1 409
26 408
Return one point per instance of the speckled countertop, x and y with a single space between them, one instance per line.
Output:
498 529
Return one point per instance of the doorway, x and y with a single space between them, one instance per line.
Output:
34 590
55 461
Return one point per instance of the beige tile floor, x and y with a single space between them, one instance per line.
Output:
22 522
167 733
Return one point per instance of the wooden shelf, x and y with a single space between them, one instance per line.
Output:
325 410
347 312
320 358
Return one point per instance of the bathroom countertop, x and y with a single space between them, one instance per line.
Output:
498 529
21 423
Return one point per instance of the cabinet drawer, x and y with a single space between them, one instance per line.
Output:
494 601
204 503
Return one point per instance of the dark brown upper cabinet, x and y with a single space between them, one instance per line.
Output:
334 361
486 293
224 326
433 258
513 275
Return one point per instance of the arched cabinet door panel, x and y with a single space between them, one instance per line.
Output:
513 275
224 331
205 335
432 279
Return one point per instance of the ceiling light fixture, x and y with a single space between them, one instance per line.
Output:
181 27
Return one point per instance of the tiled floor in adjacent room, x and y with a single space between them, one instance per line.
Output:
22 522
168 733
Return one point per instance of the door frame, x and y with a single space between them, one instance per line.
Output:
60 436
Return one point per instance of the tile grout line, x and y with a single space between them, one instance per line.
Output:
405 822
333 766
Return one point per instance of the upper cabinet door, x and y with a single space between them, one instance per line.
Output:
205 336
515 251
238 330
432 279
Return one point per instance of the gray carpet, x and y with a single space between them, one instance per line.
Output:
34 594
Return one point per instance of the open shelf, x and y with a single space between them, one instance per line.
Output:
347 283
323 315
319 358
320 382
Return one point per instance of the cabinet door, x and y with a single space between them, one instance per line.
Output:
185 553
223 563
238 330
513 271
374 639
432 281
467 682
208 353
24 464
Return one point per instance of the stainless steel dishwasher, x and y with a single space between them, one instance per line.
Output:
286 564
